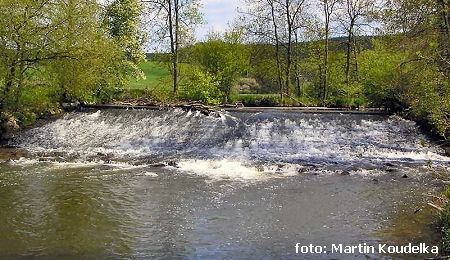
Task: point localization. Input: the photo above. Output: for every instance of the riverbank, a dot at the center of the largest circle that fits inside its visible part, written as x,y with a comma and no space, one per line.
230,108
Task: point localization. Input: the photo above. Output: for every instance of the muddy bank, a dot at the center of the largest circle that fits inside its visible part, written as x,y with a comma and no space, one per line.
10,153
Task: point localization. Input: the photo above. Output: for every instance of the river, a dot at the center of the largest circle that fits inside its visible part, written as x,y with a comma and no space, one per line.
174,184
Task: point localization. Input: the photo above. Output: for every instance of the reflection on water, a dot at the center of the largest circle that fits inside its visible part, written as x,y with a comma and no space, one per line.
62,214
415,223
255,193
89,213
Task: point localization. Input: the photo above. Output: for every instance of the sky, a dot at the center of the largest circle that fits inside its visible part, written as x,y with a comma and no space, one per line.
217,15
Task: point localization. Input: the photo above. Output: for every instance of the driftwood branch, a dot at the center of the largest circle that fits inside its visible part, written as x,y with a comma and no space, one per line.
434,206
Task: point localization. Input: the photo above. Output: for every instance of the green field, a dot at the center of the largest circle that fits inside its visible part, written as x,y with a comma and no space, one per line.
158,84
157,76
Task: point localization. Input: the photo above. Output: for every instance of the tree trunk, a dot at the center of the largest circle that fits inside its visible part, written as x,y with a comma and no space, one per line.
297,67
348,57
355,54
176,68
327,49
277,49
9,82
173,44
348,53
289,49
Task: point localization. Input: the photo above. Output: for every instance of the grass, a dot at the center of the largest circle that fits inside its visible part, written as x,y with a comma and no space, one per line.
157,85
157,76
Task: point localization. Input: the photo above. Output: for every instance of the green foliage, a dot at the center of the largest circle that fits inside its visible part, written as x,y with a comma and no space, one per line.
37,103
258,100
226,58
379,73
430,103
445,227
263,66
60,51
122,19
201,86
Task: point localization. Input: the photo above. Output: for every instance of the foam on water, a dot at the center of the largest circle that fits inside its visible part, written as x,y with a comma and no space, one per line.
231,145
236,170
222,169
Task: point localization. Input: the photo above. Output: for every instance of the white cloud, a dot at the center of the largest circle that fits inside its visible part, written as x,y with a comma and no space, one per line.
218,14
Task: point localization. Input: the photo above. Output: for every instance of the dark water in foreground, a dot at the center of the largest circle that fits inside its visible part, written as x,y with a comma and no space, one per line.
173,184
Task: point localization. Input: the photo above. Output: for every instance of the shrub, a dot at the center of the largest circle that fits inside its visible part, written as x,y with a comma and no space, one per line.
258,100
445,225
201,86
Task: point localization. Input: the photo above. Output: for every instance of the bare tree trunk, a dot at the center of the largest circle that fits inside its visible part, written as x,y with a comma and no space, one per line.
176,68
348,53
277,48
348,57
289,49
173,35
327,49
297,67
355,53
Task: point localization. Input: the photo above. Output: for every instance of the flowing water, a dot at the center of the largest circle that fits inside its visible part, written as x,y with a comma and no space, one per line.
179,184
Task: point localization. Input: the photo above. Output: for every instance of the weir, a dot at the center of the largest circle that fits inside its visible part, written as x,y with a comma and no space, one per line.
266,140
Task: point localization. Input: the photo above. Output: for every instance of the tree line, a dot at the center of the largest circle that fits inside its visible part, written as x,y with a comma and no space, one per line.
391,53
54,51
384,53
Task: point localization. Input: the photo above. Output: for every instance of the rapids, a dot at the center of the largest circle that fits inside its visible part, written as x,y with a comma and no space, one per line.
233,144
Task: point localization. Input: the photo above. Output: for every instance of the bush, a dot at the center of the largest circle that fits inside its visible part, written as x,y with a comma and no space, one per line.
445,224
201,86
259,100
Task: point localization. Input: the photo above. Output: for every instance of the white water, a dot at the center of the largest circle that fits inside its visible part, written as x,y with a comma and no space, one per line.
241,146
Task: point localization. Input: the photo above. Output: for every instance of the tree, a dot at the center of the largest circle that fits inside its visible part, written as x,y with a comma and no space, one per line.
277,22
277,44
56,47
262,20
175,20
353,14
122,18
328,7
293,10
426,24
225,57
443,10
420,28
30,32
